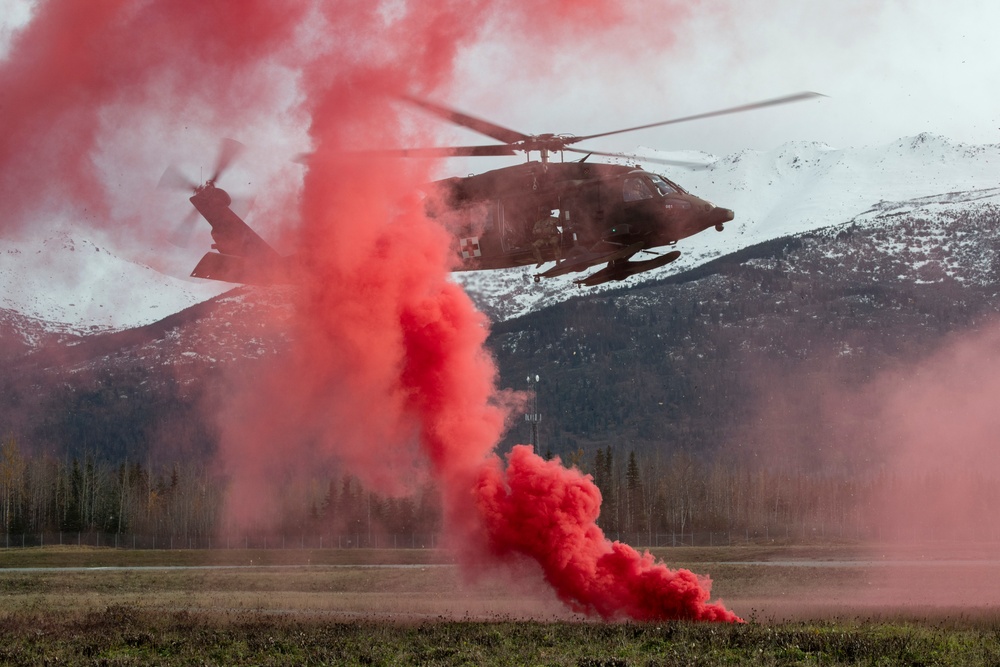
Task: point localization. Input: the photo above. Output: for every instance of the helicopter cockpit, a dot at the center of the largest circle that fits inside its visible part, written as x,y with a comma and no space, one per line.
640,185
665,187
635,188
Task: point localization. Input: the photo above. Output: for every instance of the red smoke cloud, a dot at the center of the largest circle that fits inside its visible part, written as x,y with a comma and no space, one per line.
541,510
389,373
79,69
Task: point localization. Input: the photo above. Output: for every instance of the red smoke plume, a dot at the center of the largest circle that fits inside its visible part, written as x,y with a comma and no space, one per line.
540,509
389,370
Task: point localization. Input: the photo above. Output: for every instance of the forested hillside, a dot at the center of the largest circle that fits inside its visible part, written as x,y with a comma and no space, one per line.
681,364
686,363
671,394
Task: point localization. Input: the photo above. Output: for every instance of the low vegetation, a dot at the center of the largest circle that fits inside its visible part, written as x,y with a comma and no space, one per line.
122,635
397,607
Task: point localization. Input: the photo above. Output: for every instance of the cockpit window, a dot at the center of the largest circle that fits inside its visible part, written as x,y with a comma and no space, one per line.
635,188
662,186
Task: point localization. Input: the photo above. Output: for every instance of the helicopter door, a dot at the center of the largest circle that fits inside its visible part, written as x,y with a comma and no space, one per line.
513,225
583,214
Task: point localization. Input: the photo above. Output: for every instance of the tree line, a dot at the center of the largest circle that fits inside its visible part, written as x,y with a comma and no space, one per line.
680,494
43,494
644,498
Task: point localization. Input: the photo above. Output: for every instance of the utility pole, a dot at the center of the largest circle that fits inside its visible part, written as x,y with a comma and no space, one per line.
534,416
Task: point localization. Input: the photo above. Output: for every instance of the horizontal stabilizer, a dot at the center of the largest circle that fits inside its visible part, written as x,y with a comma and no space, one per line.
227,268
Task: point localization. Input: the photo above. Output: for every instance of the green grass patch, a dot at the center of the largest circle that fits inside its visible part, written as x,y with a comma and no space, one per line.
126,636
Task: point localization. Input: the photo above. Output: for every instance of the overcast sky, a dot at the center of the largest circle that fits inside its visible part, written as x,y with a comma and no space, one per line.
890,68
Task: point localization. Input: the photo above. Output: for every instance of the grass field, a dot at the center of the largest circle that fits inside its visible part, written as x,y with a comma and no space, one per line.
805,605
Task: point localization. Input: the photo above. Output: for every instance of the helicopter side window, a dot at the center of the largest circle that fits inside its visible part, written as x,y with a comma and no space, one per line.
662,186
635,188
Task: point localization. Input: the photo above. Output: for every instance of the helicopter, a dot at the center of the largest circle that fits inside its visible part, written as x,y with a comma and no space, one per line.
577,214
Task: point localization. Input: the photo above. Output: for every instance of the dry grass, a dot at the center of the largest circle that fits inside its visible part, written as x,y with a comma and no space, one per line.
382,584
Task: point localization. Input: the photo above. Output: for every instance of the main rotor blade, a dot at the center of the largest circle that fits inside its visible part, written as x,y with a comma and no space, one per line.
798,97
642,158
441,151
228,151
479,125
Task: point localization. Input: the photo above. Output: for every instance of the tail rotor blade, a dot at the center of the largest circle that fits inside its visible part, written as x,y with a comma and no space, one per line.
242,204
228,152
182,234
173,179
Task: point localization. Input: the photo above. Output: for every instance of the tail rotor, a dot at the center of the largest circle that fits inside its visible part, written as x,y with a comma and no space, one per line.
174,179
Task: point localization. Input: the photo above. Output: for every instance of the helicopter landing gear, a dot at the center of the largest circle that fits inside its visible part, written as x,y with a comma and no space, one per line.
719,227
538,278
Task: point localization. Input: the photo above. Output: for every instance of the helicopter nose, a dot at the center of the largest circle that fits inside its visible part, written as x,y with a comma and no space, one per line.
718,216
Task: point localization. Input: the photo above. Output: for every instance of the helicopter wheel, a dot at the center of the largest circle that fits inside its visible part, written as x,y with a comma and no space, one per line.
719,227
538,279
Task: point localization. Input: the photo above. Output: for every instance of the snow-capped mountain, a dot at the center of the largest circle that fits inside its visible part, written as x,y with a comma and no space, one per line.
792,189
70,282
66,281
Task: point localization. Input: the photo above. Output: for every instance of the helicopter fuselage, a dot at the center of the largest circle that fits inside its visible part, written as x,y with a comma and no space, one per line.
596,210
588,214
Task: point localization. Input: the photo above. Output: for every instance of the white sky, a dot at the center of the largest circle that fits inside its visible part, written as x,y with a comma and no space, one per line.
891,68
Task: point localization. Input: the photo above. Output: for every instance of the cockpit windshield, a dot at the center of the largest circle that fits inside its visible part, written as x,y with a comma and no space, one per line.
636,188
661,185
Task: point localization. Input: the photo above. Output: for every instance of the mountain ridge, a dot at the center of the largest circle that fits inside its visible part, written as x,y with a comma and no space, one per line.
681,358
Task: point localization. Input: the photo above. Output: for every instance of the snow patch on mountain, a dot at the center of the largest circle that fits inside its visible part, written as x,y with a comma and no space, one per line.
73,282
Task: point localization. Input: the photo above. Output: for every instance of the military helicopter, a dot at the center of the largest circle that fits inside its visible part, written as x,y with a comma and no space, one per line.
578,214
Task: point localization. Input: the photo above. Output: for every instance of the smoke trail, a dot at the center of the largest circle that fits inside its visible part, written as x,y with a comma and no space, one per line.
389,373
